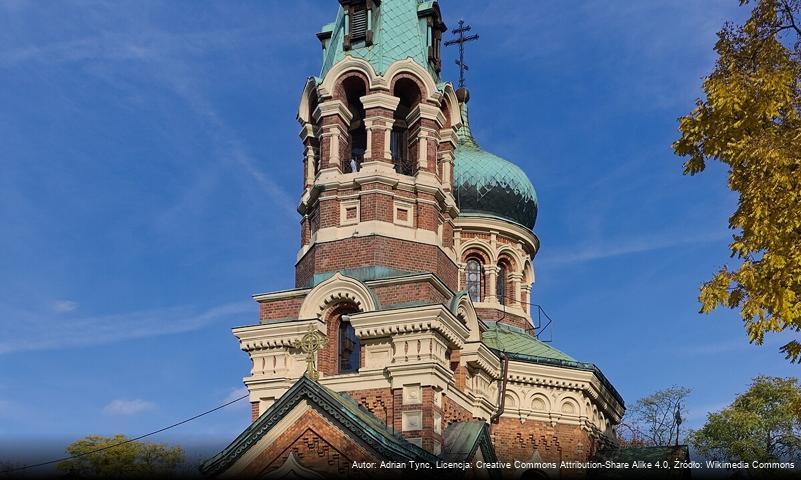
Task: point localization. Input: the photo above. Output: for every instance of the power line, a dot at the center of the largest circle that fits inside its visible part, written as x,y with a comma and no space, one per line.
107,447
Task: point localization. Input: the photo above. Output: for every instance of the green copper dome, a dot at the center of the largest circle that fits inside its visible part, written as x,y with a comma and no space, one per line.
486,184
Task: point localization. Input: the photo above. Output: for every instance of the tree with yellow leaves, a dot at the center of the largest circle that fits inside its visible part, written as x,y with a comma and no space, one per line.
750,120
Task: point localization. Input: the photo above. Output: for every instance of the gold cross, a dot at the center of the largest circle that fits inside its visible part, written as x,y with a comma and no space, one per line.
311,343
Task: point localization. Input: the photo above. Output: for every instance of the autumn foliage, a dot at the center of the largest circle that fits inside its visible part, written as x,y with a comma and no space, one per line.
750,121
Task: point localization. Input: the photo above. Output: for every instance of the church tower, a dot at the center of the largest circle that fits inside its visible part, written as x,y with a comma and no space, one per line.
379,132
408,334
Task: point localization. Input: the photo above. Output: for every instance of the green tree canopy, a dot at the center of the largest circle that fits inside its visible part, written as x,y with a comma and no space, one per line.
762,424
750,120
125,460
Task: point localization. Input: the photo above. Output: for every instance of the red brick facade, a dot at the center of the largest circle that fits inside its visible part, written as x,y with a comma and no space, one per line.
375,251
514,440
318,445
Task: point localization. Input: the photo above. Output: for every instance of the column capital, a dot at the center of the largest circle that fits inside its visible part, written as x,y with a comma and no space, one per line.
424,110
380,100
332,107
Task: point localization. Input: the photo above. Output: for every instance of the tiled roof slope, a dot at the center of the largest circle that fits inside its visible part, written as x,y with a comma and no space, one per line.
398,34
509,339
341,408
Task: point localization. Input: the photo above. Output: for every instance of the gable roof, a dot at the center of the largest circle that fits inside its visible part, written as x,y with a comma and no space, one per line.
340,408
463,439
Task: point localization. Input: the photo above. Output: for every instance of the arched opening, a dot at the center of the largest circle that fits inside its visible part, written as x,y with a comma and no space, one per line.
403,157
342,353
474,274
315,140
355,88
500,284
349,348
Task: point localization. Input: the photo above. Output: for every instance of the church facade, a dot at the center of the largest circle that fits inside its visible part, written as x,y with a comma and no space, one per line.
408,336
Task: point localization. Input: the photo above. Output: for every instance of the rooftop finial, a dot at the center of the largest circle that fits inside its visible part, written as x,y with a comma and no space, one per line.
461,40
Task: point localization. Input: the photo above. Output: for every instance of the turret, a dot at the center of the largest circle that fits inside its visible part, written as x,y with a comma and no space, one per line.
379,134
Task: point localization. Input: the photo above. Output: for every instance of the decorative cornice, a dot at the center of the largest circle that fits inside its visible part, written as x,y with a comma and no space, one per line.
275,335
488,224
411,320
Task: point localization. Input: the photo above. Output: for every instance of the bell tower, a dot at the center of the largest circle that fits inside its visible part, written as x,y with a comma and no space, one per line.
379,134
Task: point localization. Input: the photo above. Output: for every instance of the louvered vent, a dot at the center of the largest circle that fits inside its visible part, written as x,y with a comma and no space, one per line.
358,24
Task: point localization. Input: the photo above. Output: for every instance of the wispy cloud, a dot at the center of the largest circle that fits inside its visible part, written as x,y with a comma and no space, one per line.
168,59
64,306
25,331
128,407
234,394
714,348
599,251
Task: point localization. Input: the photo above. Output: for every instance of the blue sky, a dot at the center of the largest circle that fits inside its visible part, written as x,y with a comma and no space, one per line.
151,165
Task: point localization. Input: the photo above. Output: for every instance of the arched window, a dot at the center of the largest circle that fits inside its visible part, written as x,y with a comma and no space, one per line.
500,284
403,156
357,133
474,279
348,348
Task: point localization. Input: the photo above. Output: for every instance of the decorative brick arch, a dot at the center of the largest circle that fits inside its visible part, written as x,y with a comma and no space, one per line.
528,273
350,64
466,313
408,68
512,258
338,91
569,406
536,399
421,88
478,249
515,400
308,101
336,289
450,107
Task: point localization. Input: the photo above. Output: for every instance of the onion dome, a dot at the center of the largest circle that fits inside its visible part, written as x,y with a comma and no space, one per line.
488,185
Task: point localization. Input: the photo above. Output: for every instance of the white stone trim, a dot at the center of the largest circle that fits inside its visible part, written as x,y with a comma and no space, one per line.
380,100
408,207
410,320
268,439
335,289
346,206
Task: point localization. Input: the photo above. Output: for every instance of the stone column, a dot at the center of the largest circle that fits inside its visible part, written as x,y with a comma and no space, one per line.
379,112
516,279
526,298
334,119
492,287
425,121
309,139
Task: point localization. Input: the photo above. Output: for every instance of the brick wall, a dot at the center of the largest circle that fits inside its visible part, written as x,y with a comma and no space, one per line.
317,445
409,292
379,401
494,315
518,441
453,412
280,309
376,251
